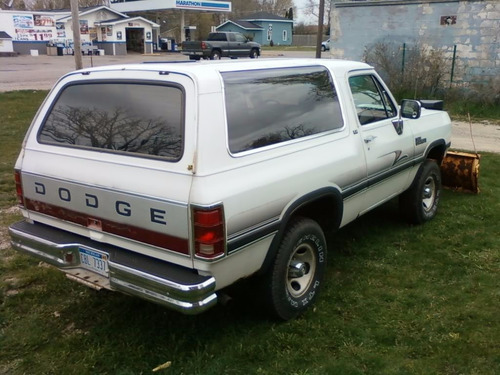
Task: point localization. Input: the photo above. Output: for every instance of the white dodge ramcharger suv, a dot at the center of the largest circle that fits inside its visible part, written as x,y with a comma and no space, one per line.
172,181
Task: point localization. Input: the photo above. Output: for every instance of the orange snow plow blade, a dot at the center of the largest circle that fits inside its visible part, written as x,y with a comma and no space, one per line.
460,171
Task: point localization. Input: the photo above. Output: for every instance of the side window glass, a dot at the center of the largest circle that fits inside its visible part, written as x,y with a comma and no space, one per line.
270,106
219,37
232,37
371,101
389,105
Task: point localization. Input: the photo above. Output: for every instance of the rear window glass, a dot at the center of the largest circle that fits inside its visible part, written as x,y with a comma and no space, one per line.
217,37
270,106
118,117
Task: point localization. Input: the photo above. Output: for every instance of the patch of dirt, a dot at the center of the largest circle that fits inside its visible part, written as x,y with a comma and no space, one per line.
11,210
4,236
71,330
9,367
12,286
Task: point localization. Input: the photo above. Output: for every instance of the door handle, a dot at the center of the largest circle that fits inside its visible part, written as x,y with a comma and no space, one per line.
370,138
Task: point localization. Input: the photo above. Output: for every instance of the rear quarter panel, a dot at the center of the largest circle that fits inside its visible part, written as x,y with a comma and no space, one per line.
257,187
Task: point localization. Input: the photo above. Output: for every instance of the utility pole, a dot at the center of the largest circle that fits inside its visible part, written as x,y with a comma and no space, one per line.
77,45
319,38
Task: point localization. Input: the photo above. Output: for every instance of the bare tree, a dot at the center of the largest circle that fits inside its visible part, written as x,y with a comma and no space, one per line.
276,7
58,4
13,4
243,8
312,9
419,73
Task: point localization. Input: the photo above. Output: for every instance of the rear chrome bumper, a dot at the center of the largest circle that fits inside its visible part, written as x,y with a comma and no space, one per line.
175,287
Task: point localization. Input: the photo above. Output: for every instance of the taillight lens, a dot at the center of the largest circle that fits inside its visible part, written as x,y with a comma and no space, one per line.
203,45
19,187
209,233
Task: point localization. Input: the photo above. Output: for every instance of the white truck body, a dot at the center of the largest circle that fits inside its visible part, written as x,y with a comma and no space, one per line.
135,215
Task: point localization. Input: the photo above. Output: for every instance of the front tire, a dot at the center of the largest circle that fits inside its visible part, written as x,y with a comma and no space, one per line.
295,276
420,202
254,54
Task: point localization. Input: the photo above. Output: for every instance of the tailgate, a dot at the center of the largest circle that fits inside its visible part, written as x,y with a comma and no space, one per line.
110,161
191,47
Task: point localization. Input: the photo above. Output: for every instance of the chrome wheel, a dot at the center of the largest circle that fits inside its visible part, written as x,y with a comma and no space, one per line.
295,276
301,270
429,194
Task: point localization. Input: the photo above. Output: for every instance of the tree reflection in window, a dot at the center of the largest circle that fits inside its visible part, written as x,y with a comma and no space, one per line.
270,106
135,118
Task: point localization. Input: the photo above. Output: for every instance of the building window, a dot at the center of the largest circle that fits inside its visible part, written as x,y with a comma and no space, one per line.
285,35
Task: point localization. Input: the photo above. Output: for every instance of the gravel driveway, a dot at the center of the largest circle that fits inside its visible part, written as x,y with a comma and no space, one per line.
41,72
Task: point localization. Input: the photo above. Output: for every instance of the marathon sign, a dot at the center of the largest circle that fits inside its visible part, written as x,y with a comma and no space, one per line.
203,5
142,5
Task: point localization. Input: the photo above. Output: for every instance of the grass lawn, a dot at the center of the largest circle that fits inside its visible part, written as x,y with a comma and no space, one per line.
398,299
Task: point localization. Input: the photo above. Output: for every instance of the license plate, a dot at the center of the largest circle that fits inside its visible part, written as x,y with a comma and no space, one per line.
94,261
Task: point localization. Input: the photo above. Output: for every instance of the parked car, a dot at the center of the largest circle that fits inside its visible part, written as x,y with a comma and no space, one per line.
325,46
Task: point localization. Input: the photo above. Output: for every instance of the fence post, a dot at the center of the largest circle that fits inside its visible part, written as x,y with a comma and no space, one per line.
403,61
453,63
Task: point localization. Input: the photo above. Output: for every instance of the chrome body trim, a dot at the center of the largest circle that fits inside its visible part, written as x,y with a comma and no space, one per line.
183,290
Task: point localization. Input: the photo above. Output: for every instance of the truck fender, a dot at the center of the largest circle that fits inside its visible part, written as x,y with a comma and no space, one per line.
436,150
328,217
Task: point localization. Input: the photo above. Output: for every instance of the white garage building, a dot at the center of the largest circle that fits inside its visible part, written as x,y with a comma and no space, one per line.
102,30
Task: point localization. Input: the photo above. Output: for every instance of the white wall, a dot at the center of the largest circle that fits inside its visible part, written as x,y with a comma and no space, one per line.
474,29
6,45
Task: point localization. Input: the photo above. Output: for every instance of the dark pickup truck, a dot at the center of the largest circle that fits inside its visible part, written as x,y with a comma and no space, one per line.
221,44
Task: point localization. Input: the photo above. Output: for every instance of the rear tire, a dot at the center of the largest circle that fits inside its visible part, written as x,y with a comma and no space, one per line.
420,202
293,280
215,55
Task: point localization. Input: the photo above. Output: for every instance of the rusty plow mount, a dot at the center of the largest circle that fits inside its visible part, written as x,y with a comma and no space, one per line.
460,171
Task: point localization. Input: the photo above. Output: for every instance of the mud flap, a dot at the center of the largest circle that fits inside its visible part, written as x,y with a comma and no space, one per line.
460,171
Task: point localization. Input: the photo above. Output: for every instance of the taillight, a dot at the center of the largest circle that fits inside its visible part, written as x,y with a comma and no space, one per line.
203,45
19,187
209,234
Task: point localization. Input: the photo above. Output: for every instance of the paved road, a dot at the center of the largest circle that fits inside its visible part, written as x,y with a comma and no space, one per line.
480,136
41,72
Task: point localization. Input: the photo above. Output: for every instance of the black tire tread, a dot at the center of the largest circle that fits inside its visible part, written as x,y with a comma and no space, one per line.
275,297
410,201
